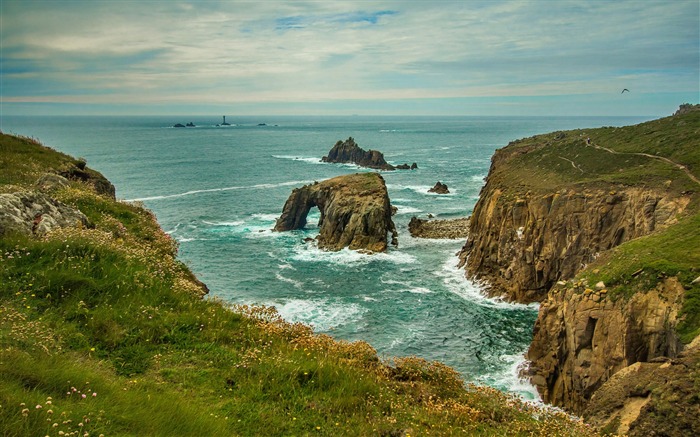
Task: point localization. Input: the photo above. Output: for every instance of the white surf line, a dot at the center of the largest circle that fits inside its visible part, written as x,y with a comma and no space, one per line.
212,190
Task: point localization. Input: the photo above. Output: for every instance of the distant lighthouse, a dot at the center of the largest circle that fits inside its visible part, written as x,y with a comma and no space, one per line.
224,123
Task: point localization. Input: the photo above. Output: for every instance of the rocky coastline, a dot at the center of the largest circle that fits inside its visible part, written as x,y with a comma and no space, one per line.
604,351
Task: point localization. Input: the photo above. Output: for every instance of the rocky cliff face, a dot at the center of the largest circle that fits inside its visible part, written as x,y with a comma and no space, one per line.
582,338
523,243
355,212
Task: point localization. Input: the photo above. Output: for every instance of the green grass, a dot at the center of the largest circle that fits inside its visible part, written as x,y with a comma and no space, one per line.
110,311
545,161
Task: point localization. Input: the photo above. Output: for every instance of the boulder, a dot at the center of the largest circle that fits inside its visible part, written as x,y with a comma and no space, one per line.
355,212
32,213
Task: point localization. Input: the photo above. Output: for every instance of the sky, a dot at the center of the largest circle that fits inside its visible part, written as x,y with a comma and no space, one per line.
264,57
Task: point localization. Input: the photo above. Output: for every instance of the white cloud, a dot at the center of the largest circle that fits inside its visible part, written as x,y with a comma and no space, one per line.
320,51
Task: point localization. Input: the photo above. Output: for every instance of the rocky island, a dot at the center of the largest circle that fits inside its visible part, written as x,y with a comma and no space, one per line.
355,212
601,227
349,152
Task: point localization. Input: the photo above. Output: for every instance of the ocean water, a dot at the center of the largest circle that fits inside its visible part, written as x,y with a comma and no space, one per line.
218,191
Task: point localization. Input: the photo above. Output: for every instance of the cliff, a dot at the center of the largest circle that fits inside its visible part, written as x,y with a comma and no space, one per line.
355,212
443,228
349,152
600,226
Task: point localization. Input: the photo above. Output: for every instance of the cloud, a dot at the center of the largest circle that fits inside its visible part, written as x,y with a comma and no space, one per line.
209,52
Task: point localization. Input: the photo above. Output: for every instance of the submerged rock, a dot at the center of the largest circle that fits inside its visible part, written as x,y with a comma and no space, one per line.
355,212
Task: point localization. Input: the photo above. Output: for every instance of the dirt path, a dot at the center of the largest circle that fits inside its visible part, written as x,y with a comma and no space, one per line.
661,158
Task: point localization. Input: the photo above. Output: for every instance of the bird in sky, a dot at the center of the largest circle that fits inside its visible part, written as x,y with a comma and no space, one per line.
623,91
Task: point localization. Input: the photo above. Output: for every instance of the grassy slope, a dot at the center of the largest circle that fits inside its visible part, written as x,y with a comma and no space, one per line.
674,251
102,332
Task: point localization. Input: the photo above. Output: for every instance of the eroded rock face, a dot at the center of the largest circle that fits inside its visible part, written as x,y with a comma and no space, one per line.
33,213
355,212
349,152
582,338
523,244
646,399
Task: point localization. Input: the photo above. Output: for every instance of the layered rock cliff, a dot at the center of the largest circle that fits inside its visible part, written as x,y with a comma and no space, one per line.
522,243
355,212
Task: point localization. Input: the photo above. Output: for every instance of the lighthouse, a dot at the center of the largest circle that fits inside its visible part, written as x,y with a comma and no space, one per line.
224,123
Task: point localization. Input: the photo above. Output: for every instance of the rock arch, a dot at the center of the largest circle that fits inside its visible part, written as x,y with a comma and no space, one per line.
355,212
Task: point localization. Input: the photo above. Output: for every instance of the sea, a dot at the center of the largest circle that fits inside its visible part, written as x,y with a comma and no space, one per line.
219,189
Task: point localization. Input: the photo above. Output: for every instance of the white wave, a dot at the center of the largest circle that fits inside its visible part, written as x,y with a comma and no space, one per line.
419,290
368,299
407,210
214,190
295,283
266,217
454,280
311,253
478,178
309,159
512,381
177,226
321,314
234,223
403,200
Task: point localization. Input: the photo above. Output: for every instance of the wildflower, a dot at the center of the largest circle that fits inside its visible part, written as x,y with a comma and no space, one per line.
83,396
38,407
94,394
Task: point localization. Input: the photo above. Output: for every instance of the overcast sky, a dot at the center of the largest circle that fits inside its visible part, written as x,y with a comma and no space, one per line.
349,57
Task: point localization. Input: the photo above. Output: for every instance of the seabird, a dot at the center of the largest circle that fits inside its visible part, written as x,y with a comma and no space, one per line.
623,91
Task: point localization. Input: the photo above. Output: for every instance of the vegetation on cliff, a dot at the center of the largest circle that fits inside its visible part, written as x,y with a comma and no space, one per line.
104,332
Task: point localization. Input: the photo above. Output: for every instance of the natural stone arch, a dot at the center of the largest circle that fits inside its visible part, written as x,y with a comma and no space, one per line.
355,212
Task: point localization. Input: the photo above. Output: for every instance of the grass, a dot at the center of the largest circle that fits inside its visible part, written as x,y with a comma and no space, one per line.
564,160
104,332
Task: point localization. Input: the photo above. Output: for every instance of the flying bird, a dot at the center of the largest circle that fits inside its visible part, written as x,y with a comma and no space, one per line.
623,91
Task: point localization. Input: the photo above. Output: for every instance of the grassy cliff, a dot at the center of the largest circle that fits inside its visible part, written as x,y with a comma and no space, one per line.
104,332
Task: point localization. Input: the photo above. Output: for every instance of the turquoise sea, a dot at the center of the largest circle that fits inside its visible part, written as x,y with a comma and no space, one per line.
218,191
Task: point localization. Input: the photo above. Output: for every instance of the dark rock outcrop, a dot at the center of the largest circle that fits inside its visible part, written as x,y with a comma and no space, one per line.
32,213
349,152
355,212
79,172
439,188
443,229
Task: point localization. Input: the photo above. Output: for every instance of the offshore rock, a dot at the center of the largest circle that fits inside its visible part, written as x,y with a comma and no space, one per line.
442,229
355,212
32,213
349,152
439,188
